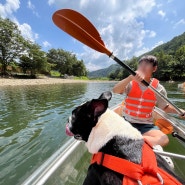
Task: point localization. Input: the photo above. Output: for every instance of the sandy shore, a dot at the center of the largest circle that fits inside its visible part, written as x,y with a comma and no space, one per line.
18,82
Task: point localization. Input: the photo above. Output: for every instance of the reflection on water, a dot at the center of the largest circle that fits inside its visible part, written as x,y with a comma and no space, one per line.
31,125
32,122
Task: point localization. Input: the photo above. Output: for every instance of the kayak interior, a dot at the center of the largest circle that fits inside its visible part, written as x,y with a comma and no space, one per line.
68,165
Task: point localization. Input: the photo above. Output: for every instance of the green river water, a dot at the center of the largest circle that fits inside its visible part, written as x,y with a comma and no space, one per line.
32,122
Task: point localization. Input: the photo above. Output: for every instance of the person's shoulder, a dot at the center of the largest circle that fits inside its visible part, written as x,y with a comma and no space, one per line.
161,89
160,85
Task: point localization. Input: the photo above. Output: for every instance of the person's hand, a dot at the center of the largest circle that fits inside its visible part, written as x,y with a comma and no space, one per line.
138,77
183,117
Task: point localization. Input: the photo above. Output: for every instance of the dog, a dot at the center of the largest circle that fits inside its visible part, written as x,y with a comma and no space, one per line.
105,131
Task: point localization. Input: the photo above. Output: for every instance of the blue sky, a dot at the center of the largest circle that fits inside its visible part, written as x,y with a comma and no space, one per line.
128,27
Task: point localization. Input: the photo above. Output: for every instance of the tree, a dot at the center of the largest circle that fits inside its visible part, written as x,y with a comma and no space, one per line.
164,71
25,63
179,66
79,69
12,44
35,60
66,62
57,57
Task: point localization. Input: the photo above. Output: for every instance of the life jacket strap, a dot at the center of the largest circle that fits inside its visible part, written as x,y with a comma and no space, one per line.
135,173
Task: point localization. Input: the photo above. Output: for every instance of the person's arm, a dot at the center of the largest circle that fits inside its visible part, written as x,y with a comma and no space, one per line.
163,104
120,86
171,109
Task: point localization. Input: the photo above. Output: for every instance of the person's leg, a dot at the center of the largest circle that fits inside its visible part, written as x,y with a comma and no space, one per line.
156,137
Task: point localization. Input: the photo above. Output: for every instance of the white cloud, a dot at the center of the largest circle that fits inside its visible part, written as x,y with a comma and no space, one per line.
158,44
161,13
180,22
92,67
119,24
148,33
31,6
46,44
152,34
26,31
142,51
9,7
7,11
51,2
145,49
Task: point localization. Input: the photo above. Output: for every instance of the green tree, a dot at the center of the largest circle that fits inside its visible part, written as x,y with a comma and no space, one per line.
12,44
164,70
79,68
57,57
35,60
179,66
66,62
25,63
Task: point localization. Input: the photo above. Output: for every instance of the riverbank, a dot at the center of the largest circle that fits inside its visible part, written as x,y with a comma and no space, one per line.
44,81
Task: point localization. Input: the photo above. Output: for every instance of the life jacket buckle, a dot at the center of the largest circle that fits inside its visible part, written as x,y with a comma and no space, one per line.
139,182
158,176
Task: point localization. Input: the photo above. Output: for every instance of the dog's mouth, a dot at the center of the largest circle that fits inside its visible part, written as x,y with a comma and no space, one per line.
68,131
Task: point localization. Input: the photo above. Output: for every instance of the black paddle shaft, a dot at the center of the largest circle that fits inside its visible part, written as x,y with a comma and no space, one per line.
73,23
146,84
127,68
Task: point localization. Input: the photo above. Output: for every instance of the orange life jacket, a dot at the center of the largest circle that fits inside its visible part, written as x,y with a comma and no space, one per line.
140,103
145,173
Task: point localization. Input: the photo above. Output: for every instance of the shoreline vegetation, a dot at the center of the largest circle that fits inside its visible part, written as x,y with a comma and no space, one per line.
45,81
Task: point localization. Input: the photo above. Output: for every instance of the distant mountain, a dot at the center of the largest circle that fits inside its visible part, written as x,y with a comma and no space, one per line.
168,48
103,72
171,46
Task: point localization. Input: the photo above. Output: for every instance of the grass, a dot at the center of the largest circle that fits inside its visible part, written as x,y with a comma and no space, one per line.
81,78
101,78
55,73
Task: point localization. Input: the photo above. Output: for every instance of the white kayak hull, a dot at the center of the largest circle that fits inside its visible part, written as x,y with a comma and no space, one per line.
69,164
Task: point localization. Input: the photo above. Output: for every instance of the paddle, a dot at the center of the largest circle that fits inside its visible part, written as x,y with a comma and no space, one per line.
168,124
82,29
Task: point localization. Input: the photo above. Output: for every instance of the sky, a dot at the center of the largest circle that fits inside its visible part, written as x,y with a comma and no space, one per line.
127,27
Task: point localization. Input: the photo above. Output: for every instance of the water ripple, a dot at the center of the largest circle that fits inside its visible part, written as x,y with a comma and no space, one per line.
33,121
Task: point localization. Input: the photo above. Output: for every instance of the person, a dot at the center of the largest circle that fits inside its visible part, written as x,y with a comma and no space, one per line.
140,100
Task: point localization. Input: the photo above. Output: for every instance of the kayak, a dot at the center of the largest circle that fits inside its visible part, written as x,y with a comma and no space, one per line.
68,165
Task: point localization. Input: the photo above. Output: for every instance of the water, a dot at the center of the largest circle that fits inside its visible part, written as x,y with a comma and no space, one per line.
32,122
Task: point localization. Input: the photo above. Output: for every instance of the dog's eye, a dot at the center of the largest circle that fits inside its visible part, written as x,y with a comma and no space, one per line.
78,137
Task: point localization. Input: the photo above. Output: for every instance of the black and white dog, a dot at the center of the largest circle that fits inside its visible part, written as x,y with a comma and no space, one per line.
105,131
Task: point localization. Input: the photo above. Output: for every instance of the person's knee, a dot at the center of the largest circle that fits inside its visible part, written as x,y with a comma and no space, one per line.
164,140
156,137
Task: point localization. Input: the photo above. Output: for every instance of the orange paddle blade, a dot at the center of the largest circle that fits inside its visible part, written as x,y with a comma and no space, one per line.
164,126
80,28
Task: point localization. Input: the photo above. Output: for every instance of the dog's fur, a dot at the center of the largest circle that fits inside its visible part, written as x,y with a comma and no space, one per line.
105,131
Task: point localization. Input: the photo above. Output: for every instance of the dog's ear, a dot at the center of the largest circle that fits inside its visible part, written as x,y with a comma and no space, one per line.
99,106
106,95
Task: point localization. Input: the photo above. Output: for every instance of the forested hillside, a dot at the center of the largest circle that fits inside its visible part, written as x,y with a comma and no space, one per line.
171,57
18,55
104,72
